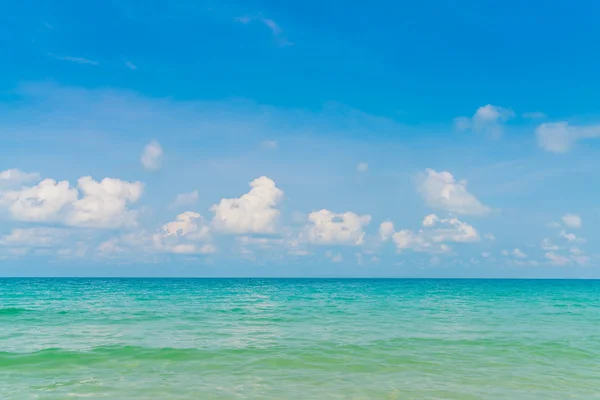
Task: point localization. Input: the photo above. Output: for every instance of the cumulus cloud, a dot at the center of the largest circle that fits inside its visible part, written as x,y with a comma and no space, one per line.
46,201
434,235
487,119
152,156
386,230
328,227
181,236
185,199
441,191
572,220
188,234
14,177
188,224
102,205
253,212
560,137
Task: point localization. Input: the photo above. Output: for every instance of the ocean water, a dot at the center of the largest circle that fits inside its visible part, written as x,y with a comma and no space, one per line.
299,339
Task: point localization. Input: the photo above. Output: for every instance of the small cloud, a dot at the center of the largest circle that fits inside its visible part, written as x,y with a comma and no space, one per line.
486,255
185,199
269,23
362,167
489,236
152,156
518,253
269,144
572,220
571,237
548,245
557,259
560,137
442,191
130,65
488,119
78,60
47,25
515,253
534,115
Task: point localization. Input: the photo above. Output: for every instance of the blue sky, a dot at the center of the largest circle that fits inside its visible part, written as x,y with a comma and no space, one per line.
191,138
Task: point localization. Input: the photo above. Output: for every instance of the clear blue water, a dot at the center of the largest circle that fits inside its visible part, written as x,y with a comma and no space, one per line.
299,339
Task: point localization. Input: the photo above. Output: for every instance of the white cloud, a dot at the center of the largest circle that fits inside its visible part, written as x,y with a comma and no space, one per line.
560,137
103,205
557,259
253,212
548,245
441,191
487,119
435,234
386,230
572,220
34,237
362,167
270,144
46,201
185,199
534,115
15,177
269,23
486,255
328,227
187,234
571,237
188,224
181,236
152,156
519,254
489,236
78,60
191,248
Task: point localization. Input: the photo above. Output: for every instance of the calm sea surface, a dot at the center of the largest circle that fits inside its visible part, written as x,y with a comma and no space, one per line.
299,339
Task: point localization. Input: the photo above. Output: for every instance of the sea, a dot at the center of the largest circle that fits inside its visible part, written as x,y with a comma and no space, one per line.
299,339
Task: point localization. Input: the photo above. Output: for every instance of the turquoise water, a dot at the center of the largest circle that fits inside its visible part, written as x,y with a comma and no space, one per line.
299,339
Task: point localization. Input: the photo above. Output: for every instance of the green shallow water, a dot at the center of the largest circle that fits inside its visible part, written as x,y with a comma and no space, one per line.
299,339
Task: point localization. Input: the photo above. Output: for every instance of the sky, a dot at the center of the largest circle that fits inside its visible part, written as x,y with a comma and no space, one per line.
300,139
